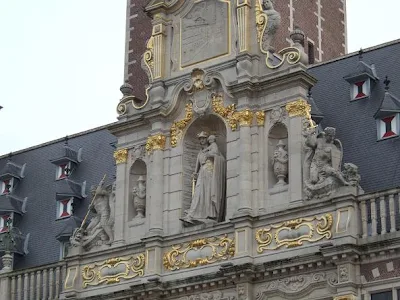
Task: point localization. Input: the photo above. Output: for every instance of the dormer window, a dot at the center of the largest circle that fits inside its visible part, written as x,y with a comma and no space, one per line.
64,208
361,89
7,186
388,127
3,223
63,170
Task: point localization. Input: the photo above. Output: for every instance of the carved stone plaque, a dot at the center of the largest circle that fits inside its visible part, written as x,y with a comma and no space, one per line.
205,32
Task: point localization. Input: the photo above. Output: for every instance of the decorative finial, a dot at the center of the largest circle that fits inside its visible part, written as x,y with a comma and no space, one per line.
309,94
66,140
386,82
126,89
360,54
297,36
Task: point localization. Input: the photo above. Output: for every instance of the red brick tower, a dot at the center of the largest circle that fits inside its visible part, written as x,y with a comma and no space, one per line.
323,22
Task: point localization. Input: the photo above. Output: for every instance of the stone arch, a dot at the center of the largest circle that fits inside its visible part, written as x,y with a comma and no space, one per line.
278,132
212,124
137,170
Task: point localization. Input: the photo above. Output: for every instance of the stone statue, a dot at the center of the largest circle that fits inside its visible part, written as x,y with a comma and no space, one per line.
322,166
99,231
209,180
139,197
273,22
350,173
280,163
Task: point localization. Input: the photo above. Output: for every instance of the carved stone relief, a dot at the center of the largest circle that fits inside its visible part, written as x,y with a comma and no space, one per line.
216,295
138,152
278,114
296,286
205,32
343,274
272,24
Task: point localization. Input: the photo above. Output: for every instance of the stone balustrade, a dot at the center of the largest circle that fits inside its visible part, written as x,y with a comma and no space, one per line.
42,283
379,213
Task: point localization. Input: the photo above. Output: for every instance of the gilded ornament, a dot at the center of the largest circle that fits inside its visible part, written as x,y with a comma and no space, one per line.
178,126
155,142
228,113
294,233
261,22
121,156
148,57
347,297
260,117
291,55
245,117
113,270
300,108
136,103
216,249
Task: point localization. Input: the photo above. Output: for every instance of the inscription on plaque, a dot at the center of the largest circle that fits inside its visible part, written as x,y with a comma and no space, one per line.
205,32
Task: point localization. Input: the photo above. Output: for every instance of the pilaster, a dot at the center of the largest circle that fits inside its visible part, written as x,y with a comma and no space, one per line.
5,288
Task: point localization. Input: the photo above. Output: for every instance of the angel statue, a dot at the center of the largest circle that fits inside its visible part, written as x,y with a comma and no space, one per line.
322,165
273,22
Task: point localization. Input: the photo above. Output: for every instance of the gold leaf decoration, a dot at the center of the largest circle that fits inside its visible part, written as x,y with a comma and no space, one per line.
291,55
121,156
202,252
113,270
148,57
245,117
228,113
294,233
155,142
300,108
178,126
260,117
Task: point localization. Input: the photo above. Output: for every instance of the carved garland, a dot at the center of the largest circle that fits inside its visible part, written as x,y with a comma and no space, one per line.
294,232
219,248
113,270
155,142
121,156
178,126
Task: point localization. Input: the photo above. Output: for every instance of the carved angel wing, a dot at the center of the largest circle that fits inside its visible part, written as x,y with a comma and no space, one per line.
337,155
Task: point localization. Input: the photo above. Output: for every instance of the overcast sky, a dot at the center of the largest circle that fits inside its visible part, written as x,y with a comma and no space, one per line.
61,62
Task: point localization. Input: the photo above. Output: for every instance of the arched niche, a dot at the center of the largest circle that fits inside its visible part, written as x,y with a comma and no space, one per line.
278,134
211,124
138,174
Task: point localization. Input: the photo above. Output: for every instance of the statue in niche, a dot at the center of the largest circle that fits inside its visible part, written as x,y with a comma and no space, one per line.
209,179
99,231
139,197
323,164
280,163
273,22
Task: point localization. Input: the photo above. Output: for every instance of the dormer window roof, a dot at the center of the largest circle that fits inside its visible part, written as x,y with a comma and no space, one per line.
390,104
68,229
11,203
69,156
68,188
12,170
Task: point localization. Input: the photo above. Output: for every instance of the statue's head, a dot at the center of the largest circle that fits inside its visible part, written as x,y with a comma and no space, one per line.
212,139
141,181
203,136
267,4
330,133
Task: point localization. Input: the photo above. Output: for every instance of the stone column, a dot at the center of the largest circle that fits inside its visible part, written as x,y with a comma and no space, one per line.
245,118
5,284
260,117
155,146
121,157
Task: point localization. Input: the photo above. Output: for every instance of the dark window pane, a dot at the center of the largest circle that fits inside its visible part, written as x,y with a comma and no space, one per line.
382,296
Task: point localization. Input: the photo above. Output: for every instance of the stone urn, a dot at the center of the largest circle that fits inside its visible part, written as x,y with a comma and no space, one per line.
280,163
7,260
139,197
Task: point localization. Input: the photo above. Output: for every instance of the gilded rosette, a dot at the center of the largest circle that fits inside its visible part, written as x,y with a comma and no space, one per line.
294,233
178,126
199,252
121,156
113,270
155,142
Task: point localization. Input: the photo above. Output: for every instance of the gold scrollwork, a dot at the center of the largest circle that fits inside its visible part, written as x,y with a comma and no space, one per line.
121,156
122,107
294,232
148,57
207,250
261,23
113,270
260,117
178,126
300,108
228,113
155,142
291,55
347,297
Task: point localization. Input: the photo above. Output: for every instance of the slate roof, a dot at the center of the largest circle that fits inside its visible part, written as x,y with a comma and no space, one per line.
40,186
378,161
